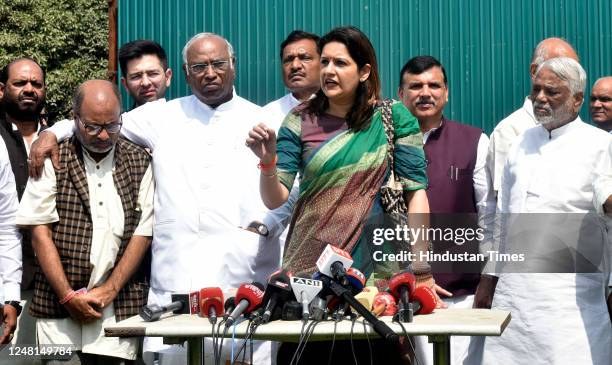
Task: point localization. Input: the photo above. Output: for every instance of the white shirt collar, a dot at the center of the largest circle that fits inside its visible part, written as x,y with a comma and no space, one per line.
105,163
228,105
557,132
429,132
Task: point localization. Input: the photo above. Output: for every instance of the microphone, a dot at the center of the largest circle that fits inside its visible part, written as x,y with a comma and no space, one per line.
248,297
230,304
305,290
211,303
181,304
356,282
384,304
424,300
318,306
277,292
333,263
402,286
292,311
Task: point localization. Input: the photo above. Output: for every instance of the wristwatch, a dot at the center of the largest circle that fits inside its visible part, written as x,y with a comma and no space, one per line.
15,304
261,228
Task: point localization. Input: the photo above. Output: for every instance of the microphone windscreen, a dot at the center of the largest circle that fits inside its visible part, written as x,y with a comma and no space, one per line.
426,297
387,301
366,297
330,255
397,281
253,293
211,298
356,279
230,303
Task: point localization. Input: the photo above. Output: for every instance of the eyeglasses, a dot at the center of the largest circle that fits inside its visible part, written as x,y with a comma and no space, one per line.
95,129
217,66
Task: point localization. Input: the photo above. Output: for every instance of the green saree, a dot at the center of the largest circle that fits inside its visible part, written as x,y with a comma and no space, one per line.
340,181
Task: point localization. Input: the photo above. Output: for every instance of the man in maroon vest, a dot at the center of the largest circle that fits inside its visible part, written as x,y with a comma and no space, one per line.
458,182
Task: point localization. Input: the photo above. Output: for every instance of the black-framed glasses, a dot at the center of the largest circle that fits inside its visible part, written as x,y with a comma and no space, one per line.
217,66
95,129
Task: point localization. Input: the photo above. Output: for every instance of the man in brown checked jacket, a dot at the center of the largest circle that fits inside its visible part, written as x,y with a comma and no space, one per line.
92,224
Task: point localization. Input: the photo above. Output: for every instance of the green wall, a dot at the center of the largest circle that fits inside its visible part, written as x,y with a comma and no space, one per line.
485,45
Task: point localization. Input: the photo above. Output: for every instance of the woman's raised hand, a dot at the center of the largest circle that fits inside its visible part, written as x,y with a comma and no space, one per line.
262,141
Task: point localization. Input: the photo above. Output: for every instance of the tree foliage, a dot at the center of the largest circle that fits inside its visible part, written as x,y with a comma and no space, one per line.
69,38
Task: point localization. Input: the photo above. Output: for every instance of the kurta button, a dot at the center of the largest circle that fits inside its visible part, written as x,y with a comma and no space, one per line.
98,167
99,185
100,203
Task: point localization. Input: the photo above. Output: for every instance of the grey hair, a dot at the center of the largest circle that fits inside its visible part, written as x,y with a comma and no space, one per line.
203,35
567,69
79,95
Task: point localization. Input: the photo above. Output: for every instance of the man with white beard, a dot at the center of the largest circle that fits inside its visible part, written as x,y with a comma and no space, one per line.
557,318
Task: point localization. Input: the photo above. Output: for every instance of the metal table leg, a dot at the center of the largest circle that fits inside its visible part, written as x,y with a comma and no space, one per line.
195,350
441,349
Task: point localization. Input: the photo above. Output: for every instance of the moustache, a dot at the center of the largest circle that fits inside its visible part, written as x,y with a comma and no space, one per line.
424,101
540,105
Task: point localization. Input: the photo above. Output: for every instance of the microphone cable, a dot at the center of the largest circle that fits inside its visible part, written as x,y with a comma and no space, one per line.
214,344
220,340
365,330
252,327
331,350
396,320
351,340
309,331
299,344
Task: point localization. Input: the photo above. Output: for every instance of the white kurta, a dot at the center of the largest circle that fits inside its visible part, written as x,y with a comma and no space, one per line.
10,238
557,318
38,206
504,135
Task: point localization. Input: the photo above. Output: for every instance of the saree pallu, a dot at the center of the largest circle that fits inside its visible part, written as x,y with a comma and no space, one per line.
340,181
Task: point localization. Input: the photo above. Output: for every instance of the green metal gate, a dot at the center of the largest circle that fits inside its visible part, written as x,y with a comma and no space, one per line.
485,45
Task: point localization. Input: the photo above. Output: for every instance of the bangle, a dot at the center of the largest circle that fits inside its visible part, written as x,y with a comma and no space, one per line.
72,294
264,166
68,297
270,175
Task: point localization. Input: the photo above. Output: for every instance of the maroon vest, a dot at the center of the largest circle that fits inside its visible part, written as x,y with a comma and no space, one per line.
451,156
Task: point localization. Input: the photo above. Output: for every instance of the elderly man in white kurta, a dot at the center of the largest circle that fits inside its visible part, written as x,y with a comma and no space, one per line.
551,169
506,131
206,181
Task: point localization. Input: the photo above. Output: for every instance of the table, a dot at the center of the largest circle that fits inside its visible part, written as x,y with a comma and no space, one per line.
438,326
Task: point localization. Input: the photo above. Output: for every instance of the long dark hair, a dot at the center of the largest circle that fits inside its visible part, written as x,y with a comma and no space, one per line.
362,52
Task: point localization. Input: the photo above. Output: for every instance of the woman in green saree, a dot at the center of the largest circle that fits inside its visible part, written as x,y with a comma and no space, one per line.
337,143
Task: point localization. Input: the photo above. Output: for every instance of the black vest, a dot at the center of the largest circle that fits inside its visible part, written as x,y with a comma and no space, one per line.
17,154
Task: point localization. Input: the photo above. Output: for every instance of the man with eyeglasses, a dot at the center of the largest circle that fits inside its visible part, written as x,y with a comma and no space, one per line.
91,223
144,69
206,182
